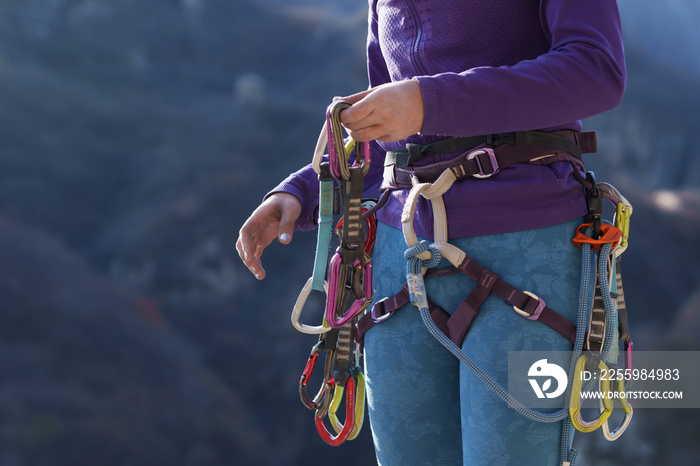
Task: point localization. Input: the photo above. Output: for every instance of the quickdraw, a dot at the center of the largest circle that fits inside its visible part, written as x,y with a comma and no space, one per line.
346,279
607,319
347,380
351,263
362,268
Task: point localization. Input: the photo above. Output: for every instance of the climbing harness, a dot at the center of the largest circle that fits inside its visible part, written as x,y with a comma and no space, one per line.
596,327
345,278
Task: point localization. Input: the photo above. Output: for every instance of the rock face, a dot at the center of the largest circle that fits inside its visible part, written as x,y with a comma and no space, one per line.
136,138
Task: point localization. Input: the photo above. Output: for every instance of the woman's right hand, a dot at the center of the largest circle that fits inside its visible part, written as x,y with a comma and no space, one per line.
274,218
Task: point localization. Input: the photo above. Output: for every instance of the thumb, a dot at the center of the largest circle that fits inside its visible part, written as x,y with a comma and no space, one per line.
286,228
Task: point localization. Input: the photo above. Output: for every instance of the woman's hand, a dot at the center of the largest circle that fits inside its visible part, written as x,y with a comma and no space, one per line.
274,218
390,112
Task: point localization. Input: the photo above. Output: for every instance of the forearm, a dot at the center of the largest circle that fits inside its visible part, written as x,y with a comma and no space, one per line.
303,184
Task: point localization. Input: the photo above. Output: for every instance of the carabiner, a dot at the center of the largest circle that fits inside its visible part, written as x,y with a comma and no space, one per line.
324,396
575,404
338,151
299,306
337,278
370,227
622,221
359,407
349,418
626,408
623,212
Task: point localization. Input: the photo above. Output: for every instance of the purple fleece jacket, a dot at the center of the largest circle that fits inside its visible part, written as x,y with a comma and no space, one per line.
486,67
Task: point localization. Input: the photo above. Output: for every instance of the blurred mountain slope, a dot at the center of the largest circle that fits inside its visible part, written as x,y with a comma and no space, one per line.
87,374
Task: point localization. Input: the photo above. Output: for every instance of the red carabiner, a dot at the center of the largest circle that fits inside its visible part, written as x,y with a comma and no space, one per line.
609,234
349,419
324,395
370,229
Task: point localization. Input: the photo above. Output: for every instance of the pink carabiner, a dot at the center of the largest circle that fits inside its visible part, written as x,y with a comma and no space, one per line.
335,284
336,145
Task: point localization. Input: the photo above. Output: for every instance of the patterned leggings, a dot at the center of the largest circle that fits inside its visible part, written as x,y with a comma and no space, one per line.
425,407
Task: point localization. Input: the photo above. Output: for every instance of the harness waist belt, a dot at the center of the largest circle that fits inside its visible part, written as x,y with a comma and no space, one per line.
486,156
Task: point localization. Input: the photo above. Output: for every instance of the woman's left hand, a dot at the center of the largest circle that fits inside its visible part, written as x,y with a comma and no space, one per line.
390,112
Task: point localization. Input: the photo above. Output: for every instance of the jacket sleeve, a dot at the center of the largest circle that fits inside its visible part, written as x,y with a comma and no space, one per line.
303,184
583,74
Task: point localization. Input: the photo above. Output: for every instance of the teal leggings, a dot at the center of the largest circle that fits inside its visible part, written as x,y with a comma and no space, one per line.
426,408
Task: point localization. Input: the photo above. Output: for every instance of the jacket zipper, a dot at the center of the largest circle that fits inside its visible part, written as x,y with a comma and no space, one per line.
419,34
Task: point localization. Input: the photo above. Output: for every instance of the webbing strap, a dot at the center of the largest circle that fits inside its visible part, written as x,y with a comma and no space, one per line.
382,309
466,313
572,142
323,240
623,321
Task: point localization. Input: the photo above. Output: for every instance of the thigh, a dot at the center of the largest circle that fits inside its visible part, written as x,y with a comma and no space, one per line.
425,408
412,381
542,261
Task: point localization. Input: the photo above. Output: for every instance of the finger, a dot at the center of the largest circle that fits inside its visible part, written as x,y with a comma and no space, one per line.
256,264
368,134
354,98
239,249
248,254
357,113
371,120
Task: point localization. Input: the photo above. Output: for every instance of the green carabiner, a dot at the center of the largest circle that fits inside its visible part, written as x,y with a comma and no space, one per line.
575,405
622,221
359,407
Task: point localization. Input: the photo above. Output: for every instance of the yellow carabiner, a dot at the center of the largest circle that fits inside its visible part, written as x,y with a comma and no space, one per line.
359,407
626,408
575,405
349,146
622,221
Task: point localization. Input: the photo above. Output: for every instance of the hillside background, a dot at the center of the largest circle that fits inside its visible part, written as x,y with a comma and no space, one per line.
135,138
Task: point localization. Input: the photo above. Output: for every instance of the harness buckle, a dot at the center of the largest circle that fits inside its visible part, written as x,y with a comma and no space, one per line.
492,158
540,307
378,308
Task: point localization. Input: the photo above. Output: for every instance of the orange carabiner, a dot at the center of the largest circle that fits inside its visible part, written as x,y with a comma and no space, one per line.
609,234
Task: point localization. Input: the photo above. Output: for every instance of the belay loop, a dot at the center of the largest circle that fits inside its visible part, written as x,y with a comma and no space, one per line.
414,264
